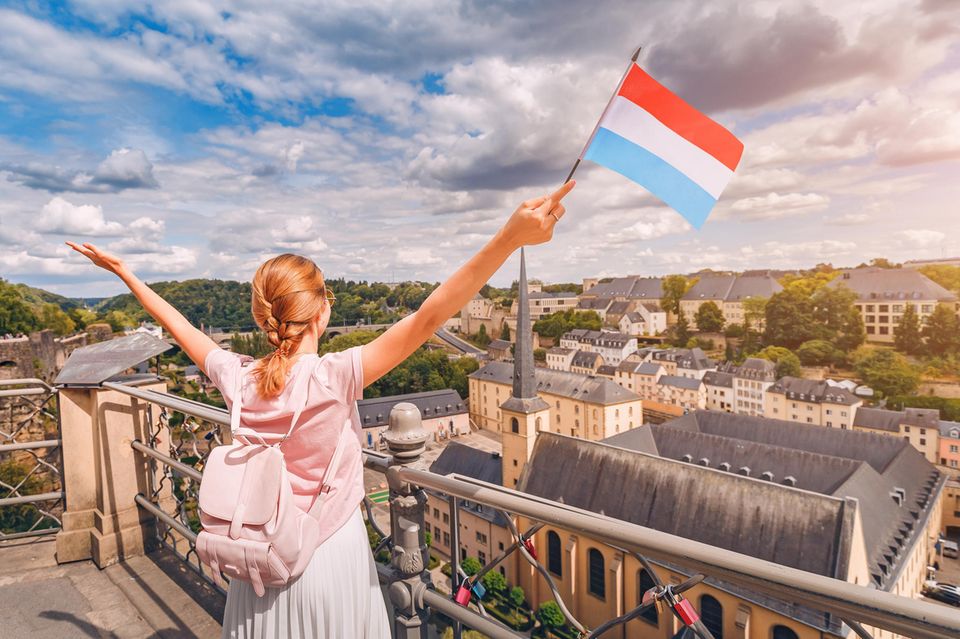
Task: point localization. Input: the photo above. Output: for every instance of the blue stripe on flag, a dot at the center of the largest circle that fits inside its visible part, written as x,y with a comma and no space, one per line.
655,175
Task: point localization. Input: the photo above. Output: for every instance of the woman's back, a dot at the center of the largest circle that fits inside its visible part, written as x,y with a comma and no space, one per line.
327,387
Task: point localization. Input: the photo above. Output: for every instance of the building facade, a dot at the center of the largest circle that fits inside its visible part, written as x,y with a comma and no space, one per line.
729,292
811,402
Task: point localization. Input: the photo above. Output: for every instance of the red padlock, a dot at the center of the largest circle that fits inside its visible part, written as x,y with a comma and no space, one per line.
528,544
686,611
463,594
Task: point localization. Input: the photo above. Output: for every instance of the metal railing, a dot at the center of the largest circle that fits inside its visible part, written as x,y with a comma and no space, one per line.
409,585
31,490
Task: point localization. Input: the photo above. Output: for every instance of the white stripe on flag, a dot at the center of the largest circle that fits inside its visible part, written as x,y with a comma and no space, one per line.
633,123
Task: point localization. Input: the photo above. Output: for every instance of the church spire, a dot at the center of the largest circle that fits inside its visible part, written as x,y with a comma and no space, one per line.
524,379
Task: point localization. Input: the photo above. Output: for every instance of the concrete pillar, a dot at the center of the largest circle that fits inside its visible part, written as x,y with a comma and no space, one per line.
102,474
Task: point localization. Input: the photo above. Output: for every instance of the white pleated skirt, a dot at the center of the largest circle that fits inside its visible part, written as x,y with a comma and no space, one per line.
338,596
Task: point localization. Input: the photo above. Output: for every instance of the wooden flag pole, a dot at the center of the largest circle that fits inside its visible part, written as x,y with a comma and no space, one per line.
576,164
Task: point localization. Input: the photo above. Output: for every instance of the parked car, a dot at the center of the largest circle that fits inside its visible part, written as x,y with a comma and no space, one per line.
950,549
945,595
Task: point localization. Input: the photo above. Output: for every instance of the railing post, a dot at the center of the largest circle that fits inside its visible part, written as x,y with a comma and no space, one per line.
102,474
406,438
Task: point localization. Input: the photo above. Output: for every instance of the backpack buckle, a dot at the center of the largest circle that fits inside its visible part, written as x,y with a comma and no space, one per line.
324,489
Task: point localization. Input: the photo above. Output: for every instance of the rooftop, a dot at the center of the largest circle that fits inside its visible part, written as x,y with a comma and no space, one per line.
375,412
809,390
587,388
733,288
872,284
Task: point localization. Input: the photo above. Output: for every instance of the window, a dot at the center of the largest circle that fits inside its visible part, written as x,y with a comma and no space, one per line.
539,424
782,632
884,330
923,442
436,513
829,424
482,556
712,614
500,546
954,449
446,518
554,555
597,585
514,463
514,425
646,583
884,308
436,532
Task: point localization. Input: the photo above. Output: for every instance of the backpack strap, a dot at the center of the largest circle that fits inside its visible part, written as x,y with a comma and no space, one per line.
328,475
235,408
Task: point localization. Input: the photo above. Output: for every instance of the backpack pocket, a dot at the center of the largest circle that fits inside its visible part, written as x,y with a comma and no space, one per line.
254,561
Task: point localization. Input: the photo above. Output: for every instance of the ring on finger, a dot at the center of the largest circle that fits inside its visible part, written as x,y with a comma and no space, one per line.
554,216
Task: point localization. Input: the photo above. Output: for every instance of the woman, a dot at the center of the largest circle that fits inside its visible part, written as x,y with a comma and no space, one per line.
338,595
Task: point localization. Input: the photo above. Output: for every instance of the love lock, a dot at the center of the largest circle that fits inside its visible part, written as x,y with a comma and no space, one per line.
528,544
463,595
478,590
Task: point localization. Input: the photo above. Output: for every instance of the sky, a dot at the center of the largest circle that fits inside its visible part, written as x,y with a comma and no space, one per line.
390,140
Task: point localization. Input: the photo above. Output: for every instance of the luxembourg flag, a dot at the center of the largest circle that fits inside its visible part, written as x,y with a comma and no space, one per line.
654,138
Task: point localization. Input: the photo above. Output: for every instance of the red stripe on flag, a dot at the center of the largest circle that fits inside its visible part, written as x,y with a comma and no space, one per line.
658,101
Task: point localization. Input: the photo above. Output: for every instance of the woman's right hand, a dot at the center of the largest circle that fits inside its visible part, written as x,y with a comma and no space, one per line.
533,221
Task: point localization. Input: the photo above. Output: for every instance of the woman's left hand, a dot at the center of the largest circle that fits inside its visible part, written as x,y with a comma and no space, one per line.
101,258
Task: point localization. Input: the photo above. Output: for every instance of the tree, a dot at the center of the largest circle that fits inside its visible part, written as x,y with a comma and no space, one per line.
817,352
118,320
728,352
52,317
481,338
556,324
427,539
852,334
886,371
505,332
907,333
550,615
709,318
788,364
809,282
681,330
517,597
471,566
754,310
946,276
942,331
494,582
831,305
15,314
674,288
789,319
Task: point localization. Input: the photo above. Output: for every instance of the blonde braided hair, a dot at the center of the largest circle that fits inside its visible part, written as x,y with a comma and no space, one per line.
288,294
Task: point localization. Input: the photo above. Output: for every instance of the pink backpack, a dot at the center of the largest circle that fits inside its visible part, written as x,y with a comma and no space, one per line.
252,530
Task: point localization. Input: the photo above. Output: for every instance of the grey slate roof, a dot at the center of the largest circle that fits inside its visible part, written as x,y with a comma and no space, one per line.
950,430
590,304
733,288
618,308
478,464
878,284
809,390
630,286
689,358
560,350
753,368
586,359
607,370
716,378
597,390
824,463
440,403
499,344
685,383
890,420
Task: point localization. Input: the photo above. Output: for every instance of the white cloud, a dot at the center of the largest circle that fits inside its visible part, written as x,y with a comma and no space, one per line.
924,238
60,216
773,205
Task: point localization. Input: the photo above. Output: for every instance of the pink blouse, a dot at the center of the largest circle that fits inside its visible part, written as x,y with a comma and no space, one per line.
335,384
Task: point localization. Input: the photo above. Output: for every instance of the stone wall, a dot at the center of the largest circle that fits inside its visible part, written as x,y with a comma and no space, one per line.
41,354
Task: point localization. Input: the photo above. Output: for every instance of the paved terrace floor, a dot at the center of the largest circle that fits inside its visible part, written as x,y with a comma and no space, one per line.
154,596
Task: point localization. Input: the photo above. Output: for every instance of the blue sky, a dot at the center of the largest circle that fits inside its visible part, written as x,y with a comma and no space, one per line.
389,140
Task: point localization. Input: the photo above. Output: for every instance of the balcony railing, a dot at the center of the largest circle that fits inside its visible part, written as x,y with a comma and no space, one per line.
177,469
31,493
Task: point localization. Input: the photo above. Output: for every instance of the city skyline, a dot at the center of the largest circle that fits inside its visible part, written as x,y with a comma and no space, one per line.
197,143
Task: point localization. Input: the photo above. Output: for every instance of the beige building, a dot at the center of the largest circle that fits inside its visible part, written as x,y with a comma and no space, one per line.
728,292
919,426
719,390
750,383
646,319
884,294
613,346
542,304
580,406
682,392
640,377
774,475
811,402
483,530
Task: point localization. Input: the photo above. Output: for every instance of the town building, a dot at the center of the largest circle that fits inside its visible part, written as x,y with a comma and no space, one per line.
719,389
612,346
560,358
646,319
542,304
685,393
631,287
499,350
639,377
950,446
484,532
750,383
685,362
811,402
919,426
729,292
445,414
585,362
883,295
481,311
849,505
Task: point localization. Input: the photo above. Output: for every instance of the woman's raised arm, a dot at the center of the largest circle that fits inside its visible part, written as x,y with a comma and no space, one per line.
531,223
192,340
